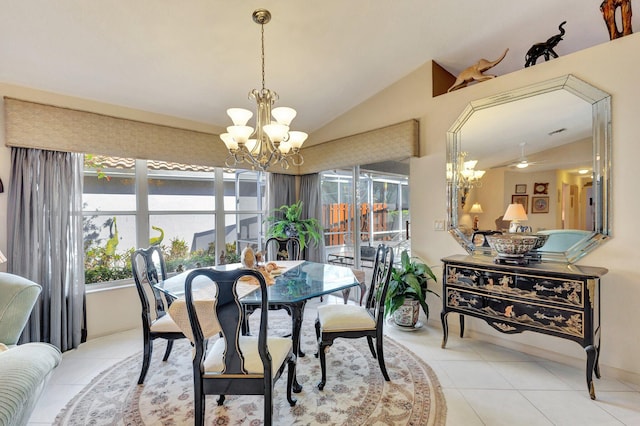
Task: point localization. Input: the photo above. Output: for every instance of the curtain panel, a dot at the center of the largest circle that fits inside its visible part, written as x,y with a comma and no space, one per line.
311,198
282,190
45,241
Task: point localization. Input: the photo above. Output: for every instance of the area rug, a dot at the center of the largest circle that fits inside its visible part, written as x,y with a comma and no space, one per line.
355,394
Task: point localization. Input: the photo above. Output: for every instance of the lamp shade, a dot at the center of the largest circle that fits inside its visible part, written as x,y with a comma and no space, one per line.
296,139
239,116
229,142
284,115
515,212
476,208
2,258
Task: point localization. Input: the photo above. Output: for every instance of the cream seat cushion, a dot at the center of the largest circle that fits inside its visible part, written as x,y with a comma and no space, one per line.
279,348
345,317
206,311
165,324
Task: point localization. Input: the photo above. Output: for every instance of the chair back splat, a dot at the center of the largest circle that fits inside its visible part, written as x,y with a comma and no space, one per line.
235,364
353,321
282,249
148,269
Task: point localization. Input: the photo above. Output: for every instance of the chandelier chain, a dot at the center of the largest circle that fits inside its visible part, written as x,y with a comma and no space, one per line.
262,36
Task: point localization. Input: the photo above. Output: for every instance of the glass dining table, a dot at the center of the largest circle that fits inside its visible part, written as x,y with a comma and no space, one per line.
298,282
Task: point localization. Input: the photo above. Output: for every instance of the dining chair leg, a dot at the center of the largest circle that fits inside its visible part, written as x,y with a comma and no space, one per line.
146,358
291,375
268,404
220,400
199,403
381,359
168,350
371,348
323,366
317,324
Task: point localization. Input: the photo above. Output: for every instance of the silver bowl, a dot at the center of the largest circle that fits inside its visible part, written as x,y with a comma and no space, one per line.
513,245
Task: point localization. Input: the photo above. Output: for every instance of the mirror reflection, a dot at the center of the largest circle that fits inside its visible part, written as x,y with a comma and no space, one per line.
545,149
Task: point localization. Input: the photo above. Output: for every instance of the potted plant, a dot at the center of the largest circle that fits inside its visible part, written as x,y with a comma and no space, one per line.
289,224
408,290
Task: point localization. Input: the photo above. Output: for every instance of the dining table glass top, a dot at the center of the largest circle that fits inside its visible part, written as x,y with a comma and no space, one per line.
294,281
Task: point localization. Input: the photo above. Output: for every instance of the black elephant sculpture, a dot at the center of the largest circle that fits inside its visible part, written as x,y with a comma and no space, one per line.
545,48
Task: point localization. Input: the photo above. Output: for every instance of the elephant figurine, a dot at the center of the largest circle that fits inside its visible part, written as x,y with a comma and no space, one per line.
544,49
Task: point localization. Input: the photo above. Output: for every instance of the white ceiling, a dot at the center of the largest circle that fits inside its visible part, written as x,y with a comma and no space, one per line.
193,59
495,136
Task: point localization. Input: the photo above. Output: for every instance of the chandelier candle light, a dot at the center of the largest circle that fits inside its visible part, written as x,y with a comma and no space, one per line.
270,142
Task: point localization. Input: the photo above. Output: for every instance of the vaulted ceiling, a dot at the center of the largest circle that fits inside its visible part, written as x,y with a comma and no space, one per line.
194,59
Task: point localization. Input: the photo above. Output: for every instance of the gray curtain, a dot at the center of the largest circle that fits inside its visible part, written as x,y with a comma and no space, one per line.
282,190
45,241
312,207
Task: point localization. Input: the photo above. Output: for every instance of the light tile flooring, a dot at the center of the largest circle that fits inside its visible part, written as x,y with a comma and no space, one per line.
483,384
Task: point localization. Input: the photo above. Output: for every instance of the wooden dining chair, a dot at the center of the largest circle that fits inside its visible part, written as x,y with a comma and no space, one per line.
148,269
282,249
236,364
354,321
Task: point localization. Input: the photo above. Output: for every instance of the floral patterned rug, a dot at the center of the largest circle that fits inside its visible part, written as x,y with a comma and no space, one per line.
355,394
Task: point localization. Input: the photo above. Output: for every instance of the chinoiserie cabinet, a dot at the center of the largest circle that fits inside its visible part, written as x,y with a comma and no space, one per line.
561,300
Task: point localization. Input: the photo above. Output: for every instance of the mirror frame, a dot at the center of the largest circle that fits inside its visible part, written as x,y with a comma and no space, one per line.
601,129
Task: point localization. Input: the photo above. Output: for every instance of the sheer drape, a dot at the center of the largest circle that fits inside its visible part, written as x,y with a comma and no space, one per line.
45,241
311,198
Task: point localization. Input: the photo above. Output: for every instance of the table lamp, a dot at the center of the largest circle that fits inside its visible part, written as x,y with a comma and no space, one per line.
475,208
515,213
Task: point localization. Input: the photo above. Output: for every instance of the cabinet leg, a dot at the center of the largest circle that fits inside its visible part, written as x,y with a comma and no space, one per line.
596,368
461,326
445,328
591,363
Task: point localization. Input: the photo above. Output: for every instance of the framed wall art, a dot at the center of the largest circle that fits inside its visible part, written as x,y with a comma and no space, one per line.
521,199
541,188
521,188
539,204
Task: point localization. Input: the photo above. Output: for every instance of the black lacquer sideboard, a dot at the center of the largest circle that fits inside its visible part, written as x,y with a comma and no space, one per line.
557,299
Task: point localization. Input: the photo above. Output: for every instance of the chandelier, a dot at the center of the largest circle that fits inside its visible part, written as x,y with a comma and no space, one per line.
468,176
271,142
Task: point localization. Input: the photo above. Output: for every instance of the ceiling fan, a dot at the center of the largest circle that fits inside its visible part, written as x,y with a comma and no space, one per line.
520,163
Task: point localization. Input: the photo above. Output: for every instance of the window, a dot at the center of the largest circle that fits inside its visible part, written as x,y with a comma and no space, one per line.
382,209
197,214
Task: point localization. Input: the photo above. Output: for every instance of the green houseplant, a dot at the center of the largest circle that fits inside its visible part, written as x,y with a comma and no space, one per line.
408,290
289,224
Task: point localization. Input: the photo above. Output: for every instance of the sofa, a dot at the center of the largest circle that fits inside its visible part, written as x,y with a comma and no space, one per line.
26,368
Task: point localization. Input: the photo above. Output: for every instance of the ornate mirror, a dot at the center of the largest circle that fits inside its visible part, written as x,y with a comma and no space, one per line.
547,147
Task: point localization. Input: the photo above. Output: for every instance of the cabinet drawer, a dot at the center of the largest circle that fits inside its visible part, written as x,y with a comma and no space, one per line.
509,315
534,288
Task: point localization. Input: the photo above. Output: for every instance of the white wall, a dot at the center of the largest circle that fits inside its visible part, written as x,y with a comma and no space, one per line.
613,68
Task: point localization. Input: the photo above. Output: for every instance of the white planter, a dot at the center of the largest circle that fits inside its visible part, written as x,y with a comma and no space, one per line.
407,314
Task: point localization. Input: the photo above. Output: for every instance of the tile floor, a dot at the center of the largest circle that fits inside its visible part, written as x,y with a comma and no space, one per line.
484,384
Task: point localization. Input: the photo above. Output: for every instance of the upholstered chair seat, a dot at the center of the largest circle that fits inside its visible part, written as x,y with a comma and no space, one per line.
165,324
345,317
279,348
